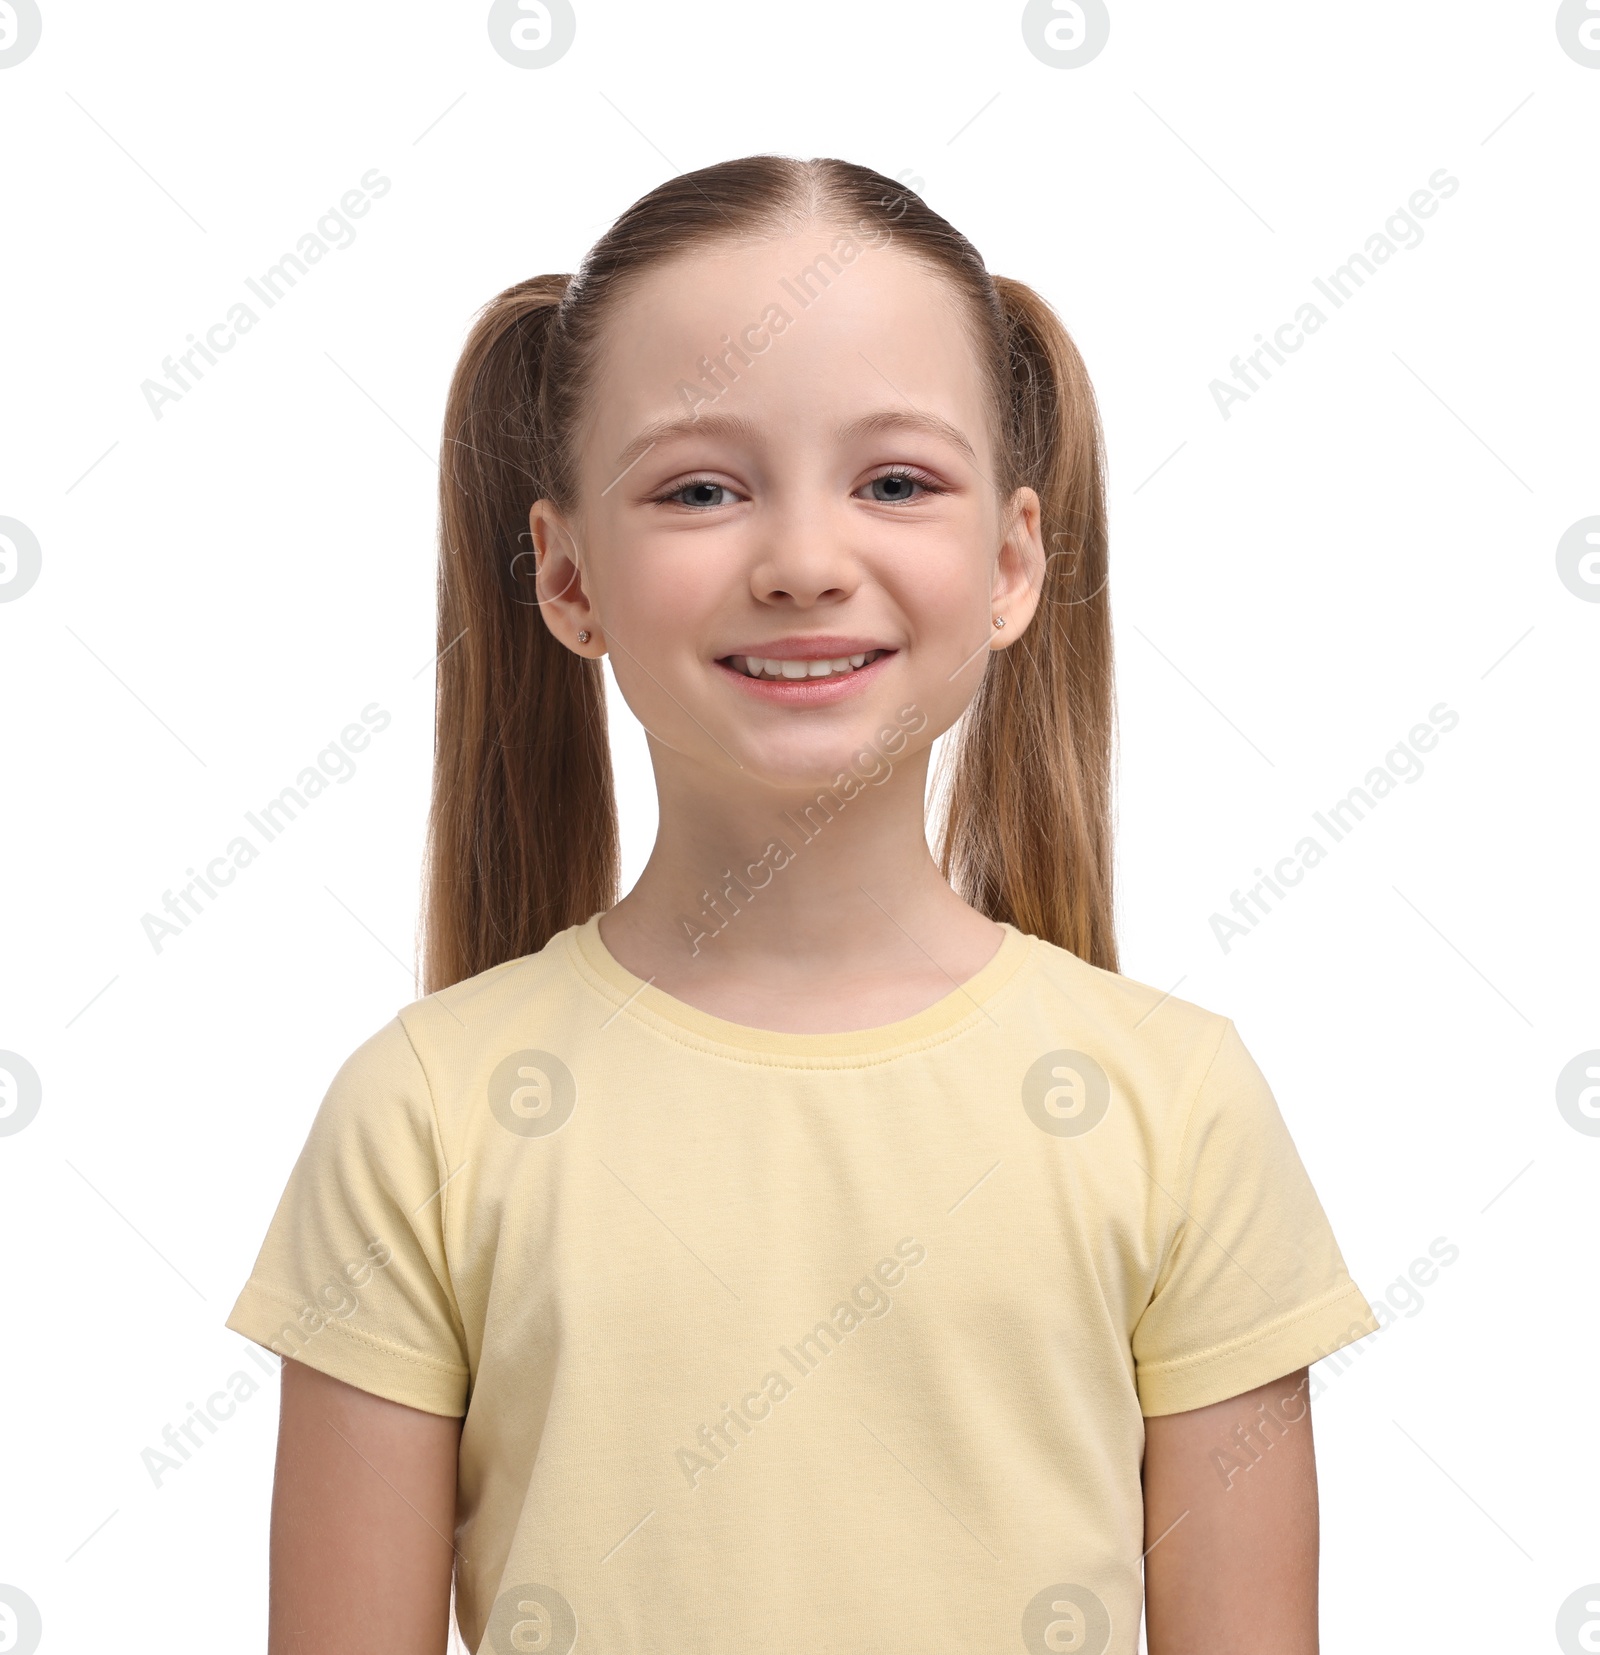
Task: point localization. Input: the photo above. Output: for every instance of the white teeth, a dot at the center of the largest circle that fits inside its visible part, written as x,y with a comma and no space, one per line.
756,666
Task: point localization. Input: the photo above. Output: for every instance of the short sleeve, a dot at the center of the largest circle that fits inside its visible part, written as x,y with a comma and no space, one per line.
1252,1285
352,1278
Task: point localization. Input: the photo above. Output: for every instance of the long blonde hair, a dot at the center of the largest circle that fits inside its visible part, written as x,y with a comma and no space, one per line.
522,832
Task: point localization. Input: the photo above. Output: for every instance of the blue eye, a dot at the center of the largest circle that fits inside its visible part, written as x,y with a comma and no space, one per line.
899,486
697,490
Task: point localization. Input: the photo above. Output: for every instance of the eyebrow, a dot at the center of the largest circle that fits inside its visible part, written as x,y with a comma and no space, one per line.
740,428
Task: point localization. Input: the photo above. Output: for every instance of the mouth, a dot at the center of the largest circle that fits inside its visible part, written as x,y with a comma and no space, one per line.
790,671
806,681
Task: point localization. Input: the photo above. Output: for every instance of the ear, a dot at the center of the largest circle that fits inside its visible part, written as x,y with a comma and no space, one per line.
558,585
1019,569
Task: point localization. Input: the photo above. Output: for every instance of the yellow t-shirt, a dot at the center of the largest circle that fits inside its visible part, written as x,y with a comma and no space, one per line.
828,1341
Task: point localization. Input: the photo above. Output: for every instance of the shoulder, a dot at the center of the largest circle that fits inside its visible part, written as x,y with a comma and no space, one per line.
521,1003
405,1084
1160,1042
1125,1003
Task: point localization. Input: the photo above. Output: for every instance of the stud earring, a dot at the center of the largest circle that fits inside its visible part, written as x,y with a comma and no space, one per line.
999,620
583,637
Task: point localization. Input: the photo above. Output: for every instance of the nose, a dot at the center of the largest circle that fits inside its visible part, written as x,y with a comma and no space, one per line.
803,557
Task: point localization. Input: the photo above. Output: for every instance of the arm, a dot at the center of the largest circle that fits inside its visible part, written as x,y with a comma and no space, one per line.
1231,1526
363,1508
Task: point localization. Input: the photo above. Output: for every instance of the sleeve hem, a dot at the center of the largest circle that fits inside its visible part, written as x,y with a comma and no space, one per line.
1294,1341
371,1364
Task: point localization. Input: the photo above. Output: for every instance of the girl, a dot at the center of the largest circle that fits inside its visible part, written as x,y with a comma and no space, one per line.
823,1247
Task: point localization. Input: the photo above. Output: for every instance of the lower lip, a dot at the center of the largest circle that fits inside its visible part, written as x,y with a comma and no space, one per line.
809,692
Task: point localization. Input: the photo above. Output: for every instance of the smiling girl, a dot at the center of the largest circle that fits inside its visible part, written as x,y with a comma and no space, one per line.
824,1246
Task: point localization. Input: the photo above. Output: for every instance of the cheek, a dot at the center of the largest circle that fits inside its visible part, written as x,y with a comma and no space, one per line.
939,573
942,581
659,591
661,599
633,566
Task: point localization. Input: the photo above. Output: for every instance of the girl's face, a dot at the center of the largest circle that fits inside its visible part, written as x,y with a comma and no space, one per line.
789,457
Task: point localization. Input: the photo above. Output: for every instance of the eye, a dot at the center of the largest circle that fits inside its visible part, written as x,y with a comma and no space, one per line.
698,494
897,486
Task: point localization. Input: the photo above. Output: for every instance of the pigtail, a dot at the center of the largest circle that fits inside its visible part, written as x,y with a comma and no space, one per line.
1027,831
522,828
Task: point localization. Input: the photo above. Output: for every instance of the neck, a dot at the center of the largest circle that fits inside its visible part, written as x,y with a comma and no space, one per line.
763,885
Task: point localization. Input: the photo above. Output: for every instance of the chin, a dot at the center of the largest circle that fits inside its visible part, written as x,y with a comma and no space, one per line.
842,768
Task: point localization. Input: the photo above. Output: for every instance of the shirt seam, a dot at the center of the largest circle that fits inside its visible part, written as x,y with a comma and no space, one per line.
1170,1240
441,1161
705,1045
1243,1341
270,1292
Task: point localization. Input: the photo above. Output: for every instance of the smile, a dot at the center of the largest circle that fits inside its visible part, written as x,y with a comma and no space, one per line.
755,666
815,683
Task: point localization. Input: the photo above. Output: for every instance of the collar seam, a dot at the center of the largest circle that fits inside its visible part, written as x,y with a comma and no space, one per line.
669,1029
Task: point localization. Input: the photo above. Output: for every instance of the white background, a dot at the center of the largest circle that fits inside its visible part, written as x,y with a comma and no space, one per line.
1373,533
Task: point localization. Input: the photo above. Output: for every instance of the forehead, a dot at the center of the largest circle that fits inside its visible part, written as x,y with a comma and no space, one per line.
795,332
